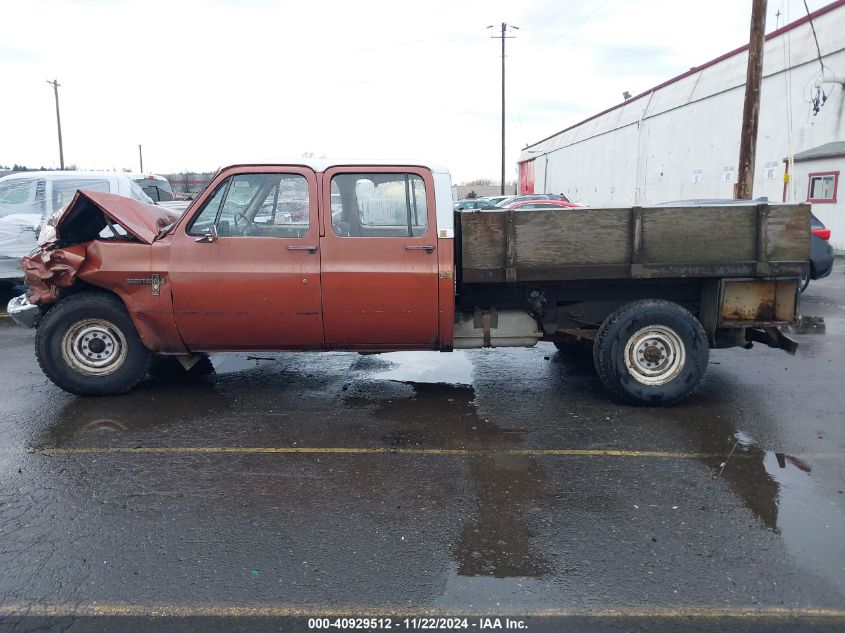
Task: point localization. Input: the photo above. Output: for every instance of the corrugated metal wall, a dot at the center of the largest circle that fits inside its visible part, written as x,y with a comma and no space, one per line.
681,141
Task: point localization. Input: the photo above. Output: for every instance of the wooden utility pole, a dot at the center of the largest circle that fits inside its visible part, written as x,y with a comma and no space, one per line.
55,83
504,37
744,188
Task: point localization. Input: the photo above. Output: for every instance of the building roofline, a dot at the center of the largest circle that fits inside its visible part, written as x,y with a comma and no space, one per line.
776,33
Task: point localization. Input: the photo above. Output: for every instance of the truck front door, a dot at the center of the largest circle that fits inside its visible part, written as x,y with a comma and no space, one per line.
379,261
245,267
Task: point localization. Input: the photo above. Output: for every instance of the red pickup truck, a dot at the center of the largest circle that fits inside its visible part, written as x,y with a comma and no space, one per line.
371,257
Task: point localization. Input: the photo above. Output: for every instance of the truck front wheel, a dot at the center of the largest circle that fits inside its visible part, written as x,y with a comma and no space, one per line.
651,352
88,345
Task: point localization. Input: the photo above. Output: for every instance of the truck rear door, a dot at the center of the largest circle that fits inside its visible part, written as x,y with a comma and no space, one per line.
379,258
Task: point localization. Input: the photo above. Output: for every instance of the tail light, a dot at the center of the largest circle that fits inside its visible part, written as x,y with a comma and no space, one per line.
822,233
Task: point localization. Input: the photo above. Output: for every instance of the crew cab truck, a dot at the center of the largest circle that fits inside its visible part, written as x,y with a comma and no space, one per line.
370,257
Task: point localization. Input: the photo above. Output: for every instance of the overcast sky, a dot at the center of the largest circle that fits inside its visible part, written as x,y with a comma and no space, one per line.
205,83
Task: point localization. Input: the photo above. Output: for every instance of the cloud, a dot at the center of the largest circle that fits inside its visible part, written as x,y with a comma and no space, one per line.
10,55
632,59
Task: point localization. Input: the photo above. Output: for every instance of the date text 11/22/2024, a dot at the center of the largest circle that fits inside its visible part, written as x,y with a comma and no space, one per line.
416,624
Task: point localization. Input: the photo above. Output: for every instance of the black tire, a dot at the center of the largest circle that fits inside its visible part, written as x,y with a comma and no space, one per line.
802,285
667,361
68,352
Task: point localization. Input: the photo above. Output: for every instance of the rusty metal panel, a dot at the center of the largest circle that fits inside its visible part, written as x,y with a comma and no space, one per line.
758,301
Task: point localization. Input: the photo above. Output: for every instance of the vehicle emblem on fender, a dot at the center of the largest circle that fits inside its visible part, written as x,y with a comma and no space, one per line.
153,280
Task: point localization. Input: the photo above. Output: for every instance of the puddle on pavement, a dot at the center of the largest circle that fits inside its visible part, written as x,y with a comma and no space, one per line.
227,363
422,367
781,491
809,523
807,325
495,542
481,592
453,368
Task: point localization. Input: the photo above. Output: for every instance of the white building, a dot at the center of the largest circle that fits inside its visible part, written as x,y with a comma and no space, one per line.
680,140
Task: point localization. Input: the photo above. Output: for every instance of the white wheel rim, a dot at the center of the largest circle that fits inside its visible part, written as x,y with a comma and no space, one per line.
94,347
655,355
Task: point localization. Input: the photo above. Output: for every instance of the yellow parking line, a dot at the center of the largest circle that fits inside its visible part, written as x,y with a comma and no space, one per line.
346,450
342,450
174,610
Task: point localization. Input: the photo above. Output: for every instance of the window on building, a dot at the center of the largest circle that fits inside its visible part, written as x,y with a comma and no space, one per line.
822,187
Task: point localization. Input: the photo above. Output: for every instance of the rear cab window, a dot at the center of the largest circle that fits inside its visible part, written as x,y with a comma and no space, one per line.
379,205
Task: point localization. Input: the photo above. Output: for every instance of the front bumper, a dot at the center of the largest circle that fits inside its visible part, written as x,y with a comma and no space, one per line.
23,312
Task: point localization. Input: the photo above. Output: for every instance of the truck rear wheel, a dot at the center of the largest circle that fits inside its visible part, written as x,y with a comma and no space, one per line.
651,352
87,345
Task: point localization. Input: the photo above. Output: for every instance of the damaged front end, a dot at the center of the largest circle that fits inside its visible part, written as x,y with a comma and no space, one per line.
99,239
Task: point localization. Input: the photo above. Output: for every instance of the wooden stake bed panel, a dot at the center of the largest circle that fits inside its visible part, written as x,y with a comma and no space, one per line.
634,243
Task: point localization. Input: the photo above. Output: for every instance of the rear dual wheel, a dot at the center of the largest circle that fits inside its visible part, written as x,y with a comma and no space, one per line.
651,352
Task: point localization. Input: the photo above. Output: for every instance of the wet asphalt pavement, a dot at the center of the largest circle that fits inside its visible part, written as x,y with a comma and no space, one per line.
485,483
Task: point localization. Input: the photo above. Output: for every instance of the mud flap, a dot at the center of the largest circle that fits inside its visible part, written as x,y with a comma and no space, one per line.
772,337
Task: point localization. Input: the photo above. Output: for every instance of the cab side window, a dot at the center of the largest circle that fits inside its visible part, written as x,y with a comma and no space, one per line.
379,205
257,205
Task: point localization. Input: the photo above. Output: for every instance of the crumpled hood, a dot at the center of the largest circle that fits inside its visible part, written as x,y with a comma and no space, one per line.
84,218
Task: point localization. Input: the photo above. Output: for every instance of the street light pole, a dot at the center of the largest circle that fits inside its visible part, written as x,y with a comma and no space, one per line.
141,157
55,83
503,37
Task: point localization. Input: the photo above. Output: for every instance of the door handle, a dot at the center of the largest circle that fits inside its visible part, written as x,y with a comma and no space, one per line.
428,248
310,249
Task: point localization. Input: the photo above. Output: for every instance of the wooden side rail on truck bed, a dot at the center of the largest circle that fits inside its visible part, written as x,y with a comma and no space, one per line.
755,240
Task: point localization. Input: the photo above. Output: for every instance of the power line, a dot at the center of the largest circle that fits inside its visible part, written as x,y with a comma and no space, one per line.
815,37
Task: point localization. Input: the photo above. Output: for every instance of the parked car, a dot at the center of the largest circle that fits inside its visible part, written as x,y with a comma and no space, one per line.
506,202
27,199
526,205
495,199
156,187
821,252
474,204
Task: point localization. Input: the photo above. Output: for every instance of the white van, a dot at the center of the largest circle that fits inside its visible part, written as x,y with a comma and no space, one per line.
28,198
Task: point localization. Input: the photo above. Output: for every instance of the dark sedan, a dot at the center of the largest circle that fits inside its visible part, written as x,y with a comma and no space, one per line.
474,204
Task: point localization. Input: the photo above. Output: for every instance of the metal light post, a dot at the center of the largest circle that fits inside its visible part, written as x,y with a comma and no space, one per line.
55,83
503,37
